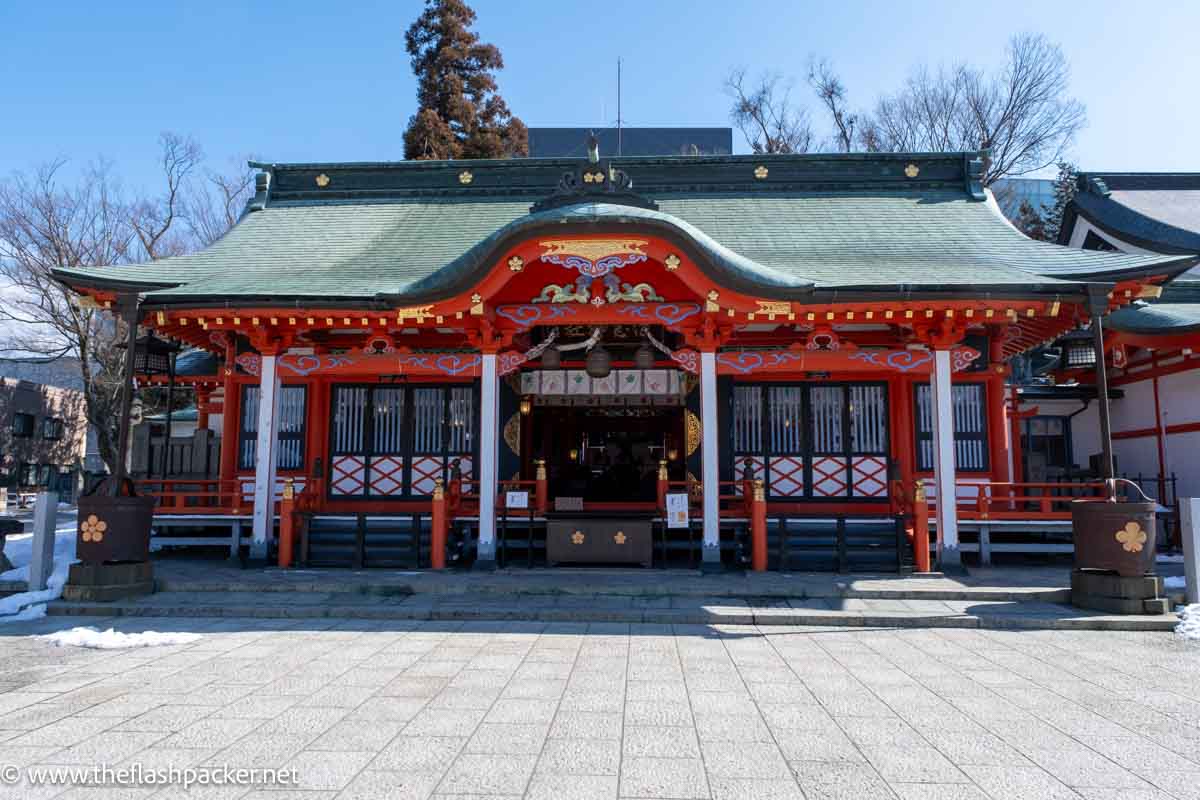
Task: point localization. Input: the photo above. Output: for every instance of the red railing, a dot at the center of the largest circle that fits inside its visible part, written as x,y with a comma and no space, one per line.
196,496
1022,499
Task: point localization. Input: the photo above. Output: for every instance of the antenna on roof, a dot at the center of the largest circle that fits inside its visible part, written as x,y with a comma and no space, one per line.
618,105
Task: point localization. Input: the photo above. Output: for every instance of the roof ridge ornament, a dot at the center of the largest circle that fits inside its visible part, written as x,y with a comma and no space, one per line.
594,179
973,173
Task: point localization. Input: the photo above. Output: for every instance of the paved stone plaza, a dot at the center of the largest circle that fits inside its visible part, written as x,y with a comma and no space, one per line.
391,709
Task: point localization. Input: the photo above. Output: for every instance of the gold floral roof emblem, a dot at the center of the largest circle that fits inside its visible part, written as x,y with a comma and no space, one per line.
760,172
619,538
93,528
516,263
322,180
465,177
672,262
912,170
577,537
1132,537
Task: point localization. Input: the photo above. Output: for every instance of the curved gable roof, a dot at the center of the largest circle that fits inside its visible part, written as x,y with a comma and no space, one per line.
780,225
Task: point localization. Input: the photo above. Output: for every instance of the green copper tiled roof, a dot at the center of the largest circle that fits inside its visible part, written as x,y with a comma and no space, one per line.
414,231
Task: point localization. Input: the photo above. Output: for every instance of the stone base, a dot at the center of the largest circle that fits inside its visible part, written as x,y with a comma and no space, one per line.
105,582
1107,591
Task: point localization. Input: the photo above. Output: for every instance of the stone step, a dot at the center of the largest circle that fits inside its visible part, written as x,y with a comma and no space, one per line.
850,613
614,583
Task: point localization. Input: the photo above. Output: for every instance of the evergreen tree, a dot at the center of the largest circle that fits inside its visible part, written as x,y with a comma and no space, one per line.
459,113
1064,193
1030,222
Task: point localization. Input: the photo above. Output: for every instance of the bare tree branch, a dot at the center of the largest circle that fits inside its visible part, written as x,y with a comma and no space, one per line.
765,115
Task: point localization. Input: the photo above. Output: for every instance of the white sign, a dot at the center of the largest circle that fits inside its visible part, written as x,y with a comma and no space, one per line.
516,499
677,510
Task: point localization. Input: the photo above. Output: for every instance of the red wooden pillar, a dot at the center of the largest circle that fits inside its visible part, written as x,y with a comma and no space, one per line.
542,487
997,429
1014,418
758,528
202,406
920,527
903,432
231,411
316,435
287,523
438,532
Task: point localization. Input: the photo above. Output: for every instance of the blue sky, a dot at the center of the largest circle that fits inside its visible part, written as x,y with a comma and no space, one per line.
309,80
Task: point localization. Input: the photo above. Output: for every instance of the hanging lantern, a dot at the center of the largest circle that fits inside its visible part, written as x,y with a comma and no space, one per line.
526,406
551,358
644,357
599,362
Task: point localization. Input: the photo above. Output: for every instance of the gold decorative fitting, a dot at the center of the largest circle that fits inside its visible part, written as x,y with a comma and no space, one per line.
760,493
912,170
577,537
694,431
593,177
671,262
619,537
92,529
1132,537
760,172
773,308
919,492
439,493
419,313
477,305
662,470
593,249
322,180
711,304
516,263
465,177
512,433
162,318
541,468
289,489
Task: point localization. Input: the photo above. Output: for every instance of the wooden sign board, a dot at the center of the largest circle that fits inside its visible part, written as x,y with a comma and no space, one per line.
677,510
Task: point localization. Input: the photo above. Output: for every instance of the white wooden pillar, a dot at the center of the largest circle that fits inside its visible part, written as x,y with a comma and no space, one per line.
264,457
943,461
710,463
489,441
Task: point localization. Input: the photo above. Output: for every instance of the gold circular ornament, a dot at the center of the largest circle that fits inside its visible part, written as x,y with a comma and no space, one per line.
912,170
322,180
760,172
465,177
577,537
671,262
92,529
512,433
1132,537
516,263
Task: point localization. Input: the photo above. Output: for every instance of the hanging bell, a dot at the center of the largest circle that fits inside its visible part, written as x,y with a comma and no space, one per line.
644,357
551,358
599,363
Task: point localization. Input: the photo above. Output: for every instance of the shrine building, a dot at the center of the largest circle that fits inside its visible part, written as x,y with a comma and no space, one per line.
555,361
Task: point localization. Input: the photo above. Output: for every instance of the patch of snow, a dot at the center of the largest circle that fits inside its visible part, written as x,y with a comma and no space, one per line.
1175,582
110,639
1189,622
19,549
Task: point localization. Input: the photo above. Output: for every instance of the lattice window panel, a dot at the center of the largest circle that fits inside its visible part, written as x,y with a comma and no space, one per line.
425,470
787,476
387,476
829,477
348,476
868,476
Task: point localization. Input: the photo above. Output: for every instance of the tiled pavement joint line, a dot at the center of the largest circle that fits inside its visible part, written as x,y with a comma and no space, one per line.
758,708
1083,675
992,691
